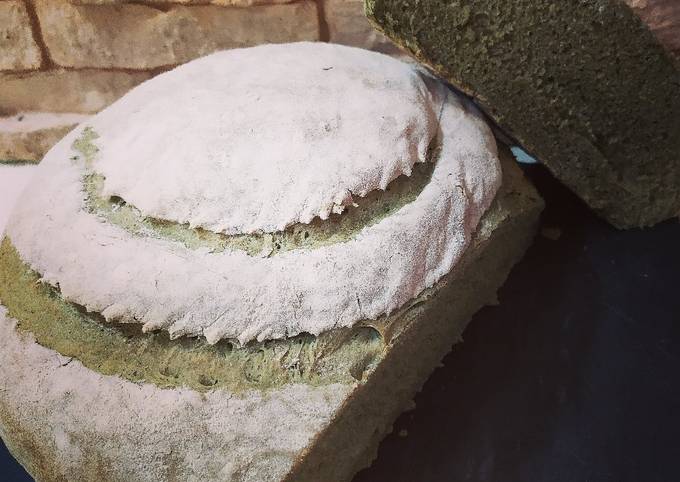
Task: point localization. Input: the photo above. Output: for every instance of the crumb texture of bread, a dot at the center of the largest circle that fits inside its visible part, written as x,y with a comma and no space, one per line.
585,86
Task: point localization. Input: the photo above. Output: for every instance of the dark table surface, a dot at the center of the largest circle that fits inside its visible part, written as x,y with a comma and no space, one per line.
575,376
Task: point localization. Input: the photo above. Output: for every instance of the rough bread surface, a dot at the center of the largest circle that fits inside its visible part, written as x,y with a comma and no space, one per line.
270,136
168,435
188,140
585,86
67,421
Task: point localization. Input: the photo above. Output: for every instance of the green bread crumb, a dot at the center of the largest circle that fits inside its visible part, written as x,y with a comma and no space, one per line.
85,145
338,228
339,356
583,85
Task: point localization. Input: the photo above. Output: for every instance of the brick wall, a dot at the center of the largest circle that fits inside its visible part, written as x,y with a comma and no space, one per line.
61,60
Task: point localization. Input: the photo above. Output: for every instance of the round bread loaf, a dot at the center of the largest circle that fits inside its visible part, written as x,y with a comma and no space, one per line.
223,253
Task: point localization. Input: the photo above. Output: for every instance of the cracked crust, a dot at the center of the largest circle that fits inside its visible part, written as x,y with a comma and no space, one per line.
295,432
165,285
